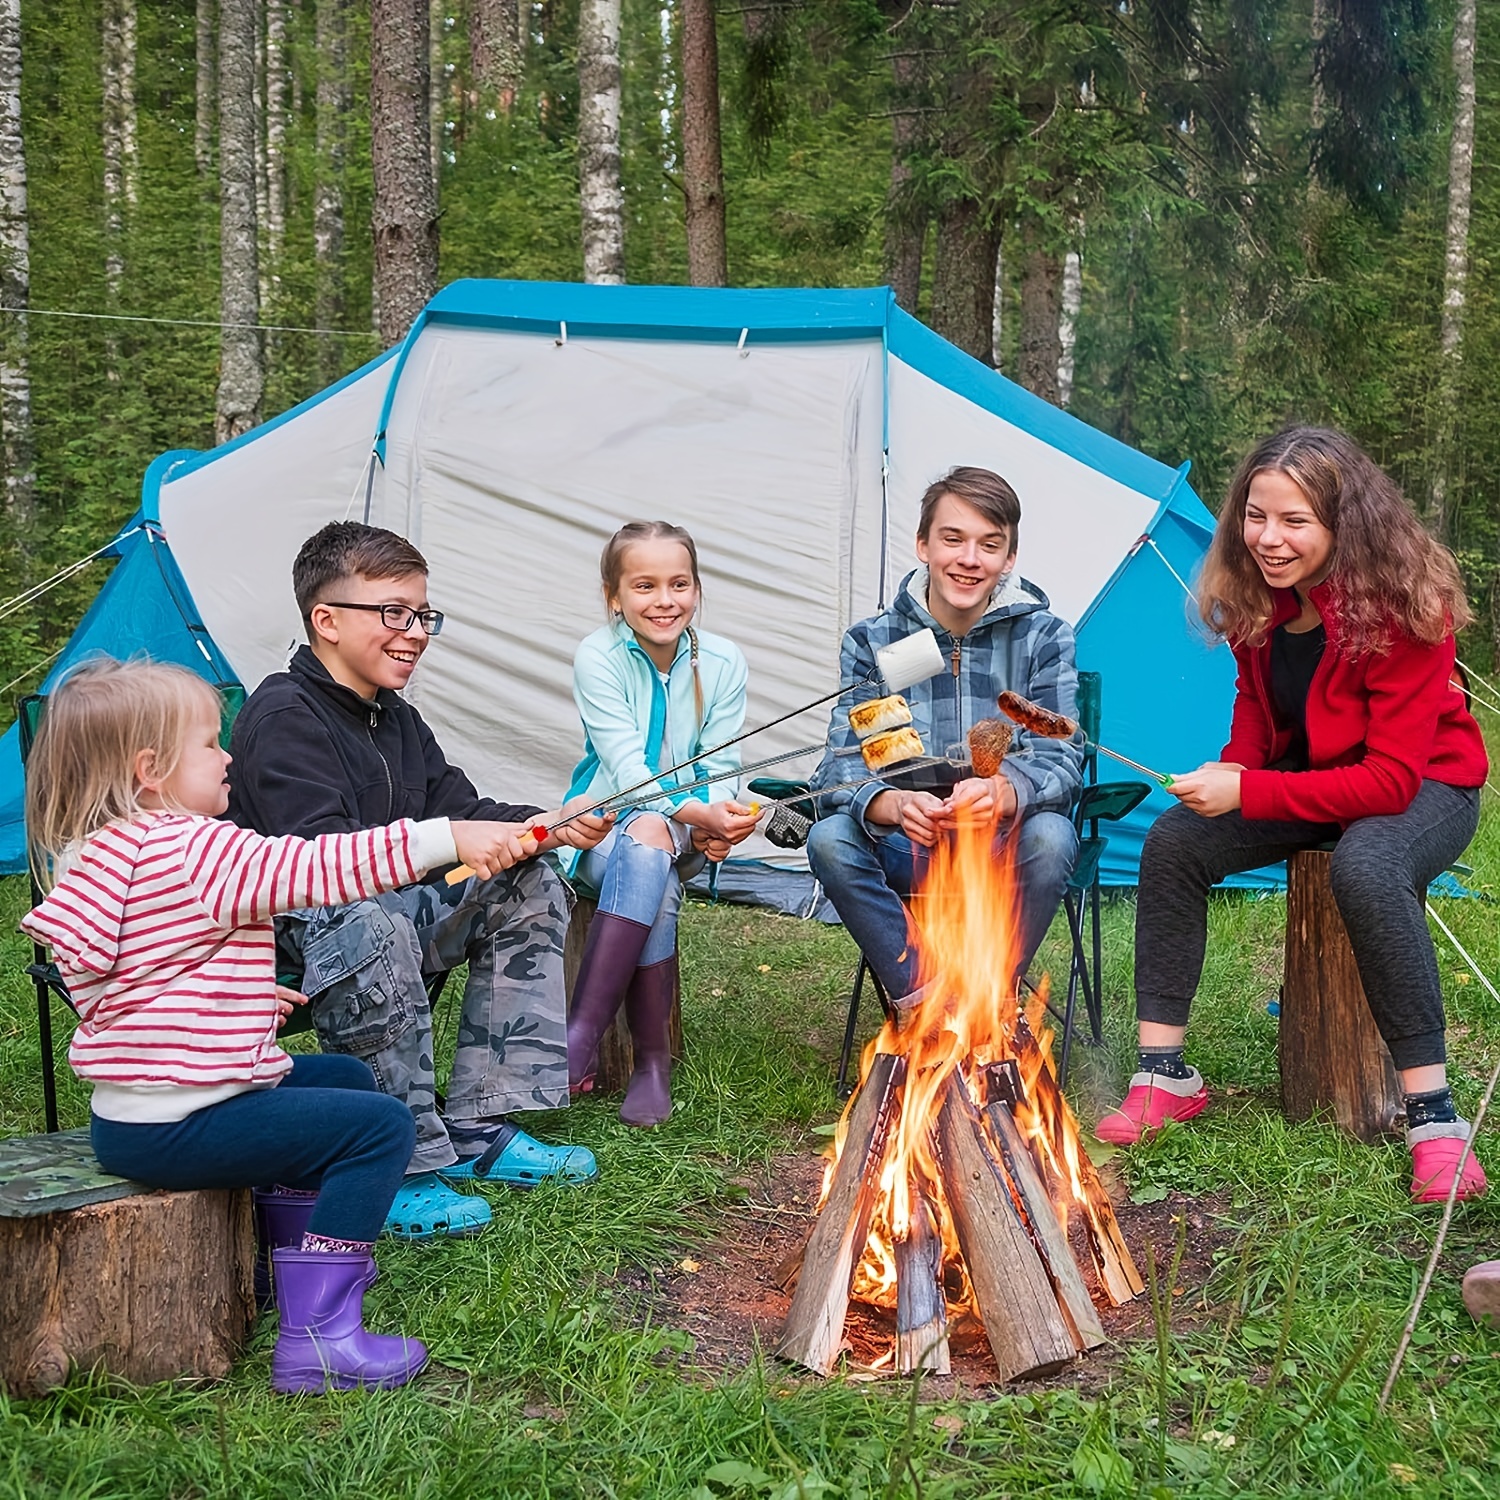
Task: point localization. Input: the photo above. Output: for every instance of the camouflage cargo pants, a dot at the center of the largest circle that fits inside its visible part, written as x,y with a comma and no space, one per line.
365,967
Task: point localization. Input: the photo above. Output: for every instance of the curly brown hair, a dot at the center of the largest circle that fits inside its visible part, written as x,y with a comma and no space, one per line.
1387,576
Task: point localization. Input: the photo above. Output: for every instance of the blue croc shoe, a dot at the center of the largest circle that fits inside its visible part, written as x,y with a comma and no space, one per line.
426,1207
515,1159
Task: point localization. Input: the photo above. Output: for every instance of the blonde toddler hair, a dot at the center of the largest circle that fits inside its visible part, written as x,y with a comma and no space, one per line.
80,773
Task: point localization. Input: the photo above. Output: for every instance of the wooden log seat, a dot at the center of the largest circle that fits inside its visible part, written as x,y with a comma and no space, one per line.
1333,1061
98,1271
616,1059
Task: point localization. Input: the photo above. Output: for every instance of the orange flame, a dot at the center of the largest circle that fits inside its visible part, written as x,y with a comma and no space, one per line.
965,923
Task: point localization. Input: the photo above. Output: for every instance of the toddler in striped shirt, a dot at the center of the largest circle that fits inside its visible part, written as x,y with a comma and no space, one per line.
160,920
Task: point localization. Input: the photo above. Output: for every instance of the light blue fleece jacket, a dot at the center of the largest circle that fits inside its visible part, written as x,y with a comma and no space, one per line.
633,727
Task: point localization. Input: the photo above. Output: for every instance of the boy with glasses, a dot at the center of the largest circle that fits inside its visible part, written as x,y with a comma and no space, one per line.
328,746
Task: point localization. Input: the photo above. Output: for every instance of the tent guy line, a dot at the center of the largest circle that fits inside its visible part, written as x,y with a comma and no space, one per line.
93,317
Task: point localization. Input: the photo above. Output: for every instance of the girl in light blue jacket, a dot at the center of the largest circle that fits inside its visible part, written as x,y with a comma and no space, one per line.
652,691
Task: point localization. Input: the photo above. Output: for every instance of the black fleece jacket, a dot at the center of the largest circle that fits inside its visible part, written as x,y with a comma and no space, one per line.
311,756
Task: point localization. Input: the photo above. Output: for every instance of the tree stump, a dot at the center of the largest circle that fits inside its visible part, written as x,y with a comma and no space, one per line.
100,1271
1332,1058
616,1057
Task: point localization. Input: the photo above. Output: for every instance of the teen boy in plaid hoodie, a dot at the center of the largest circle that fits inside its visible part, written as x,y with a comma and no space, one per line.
871,844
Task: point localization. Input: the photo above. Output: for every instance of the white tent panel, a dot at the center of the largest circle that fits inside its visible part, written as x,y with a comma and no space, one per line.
1076,523
235,524
511,460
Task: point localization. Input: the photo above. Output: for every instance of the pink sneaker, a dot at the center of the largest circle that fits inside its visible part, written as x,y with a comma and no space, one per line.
1435,1150
1482,1292
1151,1102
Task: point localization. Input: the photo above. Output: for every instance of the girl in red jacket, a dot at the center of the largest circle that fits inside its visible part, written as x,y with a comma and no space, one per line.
159,916
1349,725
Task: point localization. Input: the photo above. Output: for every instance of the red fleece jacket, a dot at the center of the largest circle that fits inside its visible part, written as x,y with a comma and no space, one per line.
1377,727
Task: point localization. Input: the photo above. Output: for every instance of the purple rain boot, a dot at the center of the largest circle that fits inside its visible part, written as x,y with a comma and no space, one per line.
323,1345
648,1009
609,958
281,1216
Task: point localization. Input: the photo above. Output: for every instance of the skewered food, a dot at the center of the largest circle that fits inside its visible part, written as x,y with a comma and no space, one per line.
1038,720
879,715
989,739
892,747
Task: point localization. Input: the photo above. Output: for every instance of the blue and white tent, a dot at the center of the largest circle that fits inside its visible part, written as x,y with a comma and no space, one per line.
793,432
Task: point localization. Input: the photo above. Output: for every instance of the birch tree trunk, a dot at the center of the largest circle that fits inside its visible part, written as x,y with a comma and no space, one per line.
436,111
277,86
497,48
1067,325
334,99
600,191
702,151
240,374
997,313
258,115
1041,308
1456,260
963,279
15,287
117,59
204,95
404,214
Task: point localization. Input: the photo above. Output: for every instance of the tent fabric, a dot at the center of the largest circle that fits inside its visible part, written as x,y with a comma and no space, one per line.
792,432
143,608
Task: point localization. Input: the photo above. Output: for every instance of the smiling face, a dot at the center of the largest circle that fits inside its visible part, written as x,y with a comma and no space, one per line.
657,595
1290,545
356,646
198,783
966,555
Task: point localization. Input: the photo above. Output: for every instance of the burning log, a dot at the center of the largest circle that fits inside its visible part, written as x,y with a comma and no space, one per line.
814,1329
1027,1331
921,1306
1046,1230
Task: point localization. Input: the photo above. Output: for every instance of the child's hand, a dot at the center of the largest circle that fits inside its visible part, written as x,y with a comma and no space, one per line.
581,833
488,848
286,998
727,822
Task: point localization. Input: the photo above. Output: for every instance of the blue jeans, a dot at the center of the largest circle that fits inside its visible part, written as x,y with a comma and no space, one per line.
325,1127
644,884
867,880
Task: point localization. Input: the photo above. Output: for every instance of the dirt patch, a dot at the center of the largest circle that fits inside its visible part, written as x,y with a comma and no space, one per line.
728,1295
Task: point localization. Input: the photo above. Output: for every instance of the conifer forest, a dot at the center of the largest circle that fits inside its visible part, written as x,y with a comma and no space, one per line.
1188,223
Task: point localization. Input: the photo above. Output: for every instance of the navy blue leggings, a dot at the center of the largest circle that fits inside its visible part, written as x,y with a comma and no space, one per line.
324,1127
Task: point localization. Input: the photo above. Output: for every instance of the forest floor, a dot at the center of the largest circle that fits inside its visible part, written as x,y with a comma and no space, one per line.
615,1340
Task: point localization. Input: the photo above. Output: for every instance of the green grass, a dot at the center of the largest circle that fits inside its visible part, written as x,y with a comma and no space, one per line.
557,1381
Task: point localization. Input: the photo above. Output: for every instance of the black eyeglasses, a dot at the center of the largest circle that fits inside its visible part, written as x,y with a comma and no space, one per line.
397,616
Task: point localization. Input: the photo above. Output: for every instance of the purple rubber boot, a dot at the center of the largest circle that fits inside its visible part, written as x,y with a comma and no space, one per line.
323,1344
648,1009
609,958
280,1220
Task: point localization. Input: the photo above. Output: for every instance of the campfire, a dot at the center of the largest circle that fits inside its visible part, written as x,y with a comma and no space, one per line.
960,1182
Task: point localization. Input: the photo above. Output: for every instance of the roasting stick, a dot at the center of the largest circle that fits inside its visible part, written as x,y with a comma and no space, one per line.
1053,726
912,659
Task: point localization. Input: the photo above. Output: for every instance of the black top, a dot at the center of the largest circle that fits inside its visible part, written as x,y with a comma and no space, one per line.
1294,659
312,757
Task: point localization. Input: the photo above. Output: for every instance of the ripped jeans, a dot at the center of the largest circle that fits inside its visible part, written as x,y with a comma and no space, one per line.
644,884
365,967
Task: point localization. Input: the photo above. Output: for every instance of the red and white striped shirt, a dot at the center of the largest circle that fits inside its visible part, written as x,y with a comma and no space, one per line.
162,929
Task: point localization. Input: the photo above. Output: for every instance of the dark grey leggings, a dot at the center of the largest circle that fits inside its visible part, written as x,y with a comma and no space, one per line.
1381,869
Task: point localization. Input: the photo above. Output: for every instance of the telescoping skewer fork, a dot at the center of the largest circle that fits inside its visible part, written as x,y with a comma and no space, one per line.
912,659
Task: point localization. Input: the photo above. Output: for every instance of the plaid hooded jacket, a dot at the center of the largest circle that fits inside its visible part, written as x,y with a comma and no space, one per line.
1018,644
